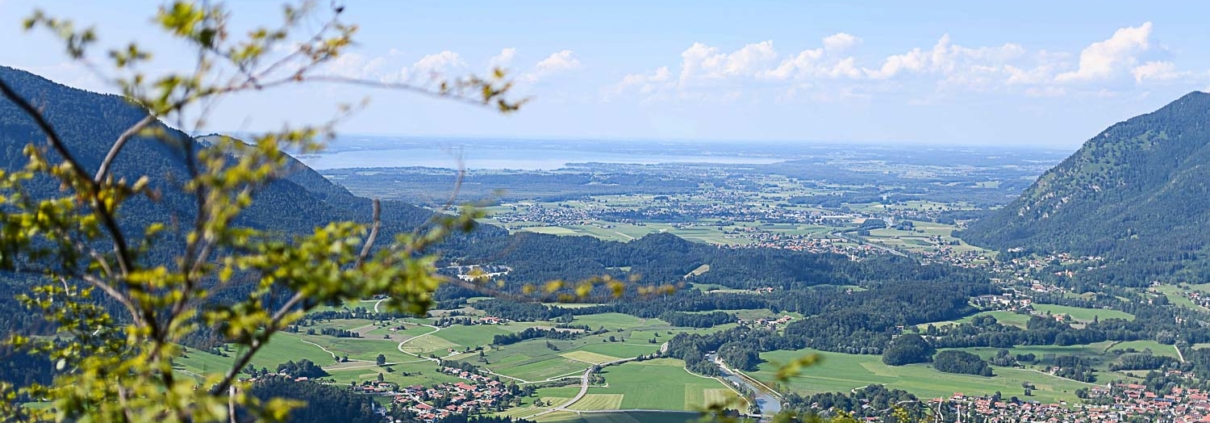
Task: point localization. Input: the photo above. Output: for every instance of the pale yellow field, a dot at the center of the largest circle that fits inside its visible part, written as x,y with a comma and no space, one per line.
599,402
588,357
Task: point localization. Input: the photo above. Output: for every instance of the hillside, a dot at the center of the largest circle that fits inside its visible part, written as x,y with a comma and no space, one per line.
1135,193
88,122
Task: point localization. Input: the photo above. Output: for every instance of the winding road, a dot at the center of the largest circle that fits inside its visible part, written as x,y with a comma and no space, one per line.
584,383
400,347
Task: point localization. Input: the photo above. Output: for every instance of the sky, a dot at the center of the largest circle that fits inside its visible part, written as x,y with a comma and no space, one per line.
1021,73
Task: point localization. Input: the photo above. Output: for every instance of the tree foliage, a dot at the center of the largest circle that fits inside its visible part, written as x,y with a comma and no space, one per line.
907,349
127,287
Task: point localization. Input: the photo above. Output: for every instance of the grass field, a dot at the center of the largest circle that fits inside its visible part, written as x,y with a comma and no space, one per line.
411,373
542,359
621,350
1155,347
1174,292
1006,318
1096,350
842,372
661,384
472,336
283,347
540,369
599,402
588,357
613,321
618,417
1083,314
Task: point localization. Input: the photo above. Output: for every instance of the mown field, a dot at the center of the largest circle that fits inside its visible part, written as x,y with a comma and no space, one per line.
660,384
546,359
843,372
1082,314
1007,318
618,417
1175,295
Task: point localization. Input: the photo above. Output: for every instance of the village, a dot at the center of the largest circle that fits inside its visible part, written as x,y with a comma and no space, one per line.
1119,402
482,394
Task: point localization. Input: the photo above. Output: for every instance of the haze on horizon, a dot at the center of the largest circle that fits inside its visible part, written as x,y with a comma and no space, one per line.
1024,74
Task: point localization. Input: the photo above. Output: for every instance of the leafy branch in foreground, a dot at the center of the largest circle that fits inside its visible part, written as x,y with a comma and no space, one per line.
162,275
125,293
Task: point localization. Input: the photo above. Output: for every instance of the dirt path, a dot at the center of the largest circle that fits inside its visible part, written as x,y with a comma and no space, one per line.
400,347
584,387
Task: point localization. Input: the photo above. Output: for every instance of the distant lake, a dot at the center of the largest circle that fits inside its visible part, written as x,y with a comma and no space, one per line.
506,158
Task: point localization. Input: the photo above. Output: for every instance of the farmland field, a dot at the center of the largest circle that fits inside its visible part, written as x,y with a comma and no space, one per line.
660,384
842,372
1083,314
589,357
618,417
476,335
1155,347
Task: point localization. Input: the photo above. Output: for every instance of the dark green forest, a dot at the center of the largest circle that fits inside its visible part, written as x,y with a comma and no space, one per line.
1135,193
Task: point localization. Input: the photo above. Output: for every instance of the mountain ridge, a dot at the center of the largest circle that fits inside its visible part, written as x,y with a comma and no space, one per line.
1136,192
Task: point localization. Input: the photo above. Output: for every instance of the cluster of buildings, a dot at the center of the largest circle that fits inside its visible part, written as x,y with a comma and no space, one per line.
767,322
537,213
440,401
1007,301
1200,298
1108,404
811,244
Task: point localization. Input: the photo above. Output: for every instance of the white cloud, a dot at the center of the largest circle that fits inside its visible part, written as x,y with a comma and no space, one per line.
1105,59
840,41
703,63
818,62
557,63
948,59
502,60
1159,71
438,65
646,83
353,65
830,70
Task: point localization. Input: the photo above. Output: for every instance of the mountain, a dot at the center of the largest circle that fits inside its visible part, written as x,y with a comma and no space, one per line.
88,122
1138,194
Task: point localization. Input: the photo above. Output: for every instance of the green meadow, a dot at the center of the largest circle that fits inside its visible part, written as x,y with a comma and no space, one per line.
843,372
660,384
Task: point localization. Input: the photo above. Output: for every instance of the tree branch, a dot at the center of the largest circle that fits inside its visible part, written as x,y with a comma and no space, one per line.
118,144
52,137
257,344
365,249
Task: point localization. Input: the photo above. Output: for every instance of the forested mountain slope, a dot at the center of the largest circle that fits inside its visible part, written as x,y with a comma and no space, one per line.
89,122
1137,193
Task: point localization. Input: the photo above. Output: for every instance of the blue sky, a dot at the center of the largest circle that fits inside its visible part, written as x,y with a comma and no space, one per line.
1023,73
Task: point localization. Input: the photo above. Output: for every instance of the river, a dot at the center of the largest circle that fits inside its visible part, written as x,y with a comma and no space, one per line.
769,404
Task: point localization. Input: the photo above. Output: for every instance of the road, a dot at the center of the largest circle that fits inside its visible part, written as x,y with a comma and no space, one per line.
400,347
584,387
